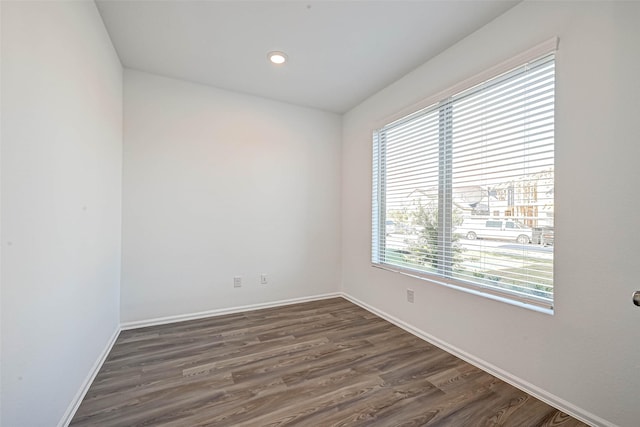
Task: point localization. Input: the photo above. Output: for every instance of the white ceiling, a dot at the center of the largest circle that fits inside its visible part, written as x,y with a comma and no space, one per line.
340,52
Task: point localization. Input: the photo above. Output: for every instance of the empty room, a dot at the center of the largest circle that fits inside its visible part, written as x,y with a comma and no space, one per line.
319,213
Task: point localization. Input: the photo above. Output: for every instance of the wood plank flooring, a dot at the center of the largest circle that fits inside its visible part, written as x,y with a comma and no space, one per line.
323,363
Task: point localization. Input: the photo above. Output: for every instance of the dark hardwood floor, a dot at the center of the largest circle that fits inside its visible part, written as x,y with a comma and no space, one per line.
323,363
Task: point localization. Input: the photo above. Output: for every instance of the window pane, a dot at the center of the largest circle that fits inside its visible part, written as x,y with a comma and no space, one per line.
503,157
412,193
464,190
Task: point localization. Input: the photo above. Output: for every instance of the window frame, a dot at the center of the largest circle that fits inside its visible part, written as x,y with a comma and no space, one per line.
437,102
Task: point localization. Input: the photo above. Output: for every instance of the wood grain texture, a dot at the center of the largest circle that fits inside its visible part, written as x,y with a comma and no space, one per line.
323,363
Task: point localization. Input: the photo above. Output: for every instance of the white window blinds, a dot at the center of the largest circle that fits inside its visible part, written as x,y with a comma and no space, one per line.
463,190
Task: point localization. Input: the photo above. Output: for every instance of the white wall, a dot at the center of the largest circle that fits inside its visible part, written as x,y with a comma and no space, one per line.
61,204
588,352
219,184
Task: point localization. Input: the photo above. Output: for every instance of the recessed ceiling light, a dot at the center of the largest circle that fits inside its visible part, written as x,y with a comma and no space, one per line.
277,57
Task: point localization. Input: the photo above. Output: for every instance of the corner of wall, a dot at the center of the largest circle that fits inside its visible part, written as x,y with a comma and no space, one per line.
84,387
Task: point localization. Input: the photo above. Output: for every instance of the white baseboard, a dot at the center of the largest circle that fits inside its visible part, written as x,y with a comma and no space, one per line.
84,388
533,390
223,311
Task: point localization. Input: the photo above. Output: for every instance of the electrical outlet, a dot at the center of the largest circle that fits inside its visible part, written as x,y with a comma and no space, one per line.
410,295
263,279
237,281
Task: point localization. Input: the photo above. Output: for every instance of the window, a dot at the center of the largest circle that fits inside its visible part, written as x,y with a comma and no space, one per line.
464,188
